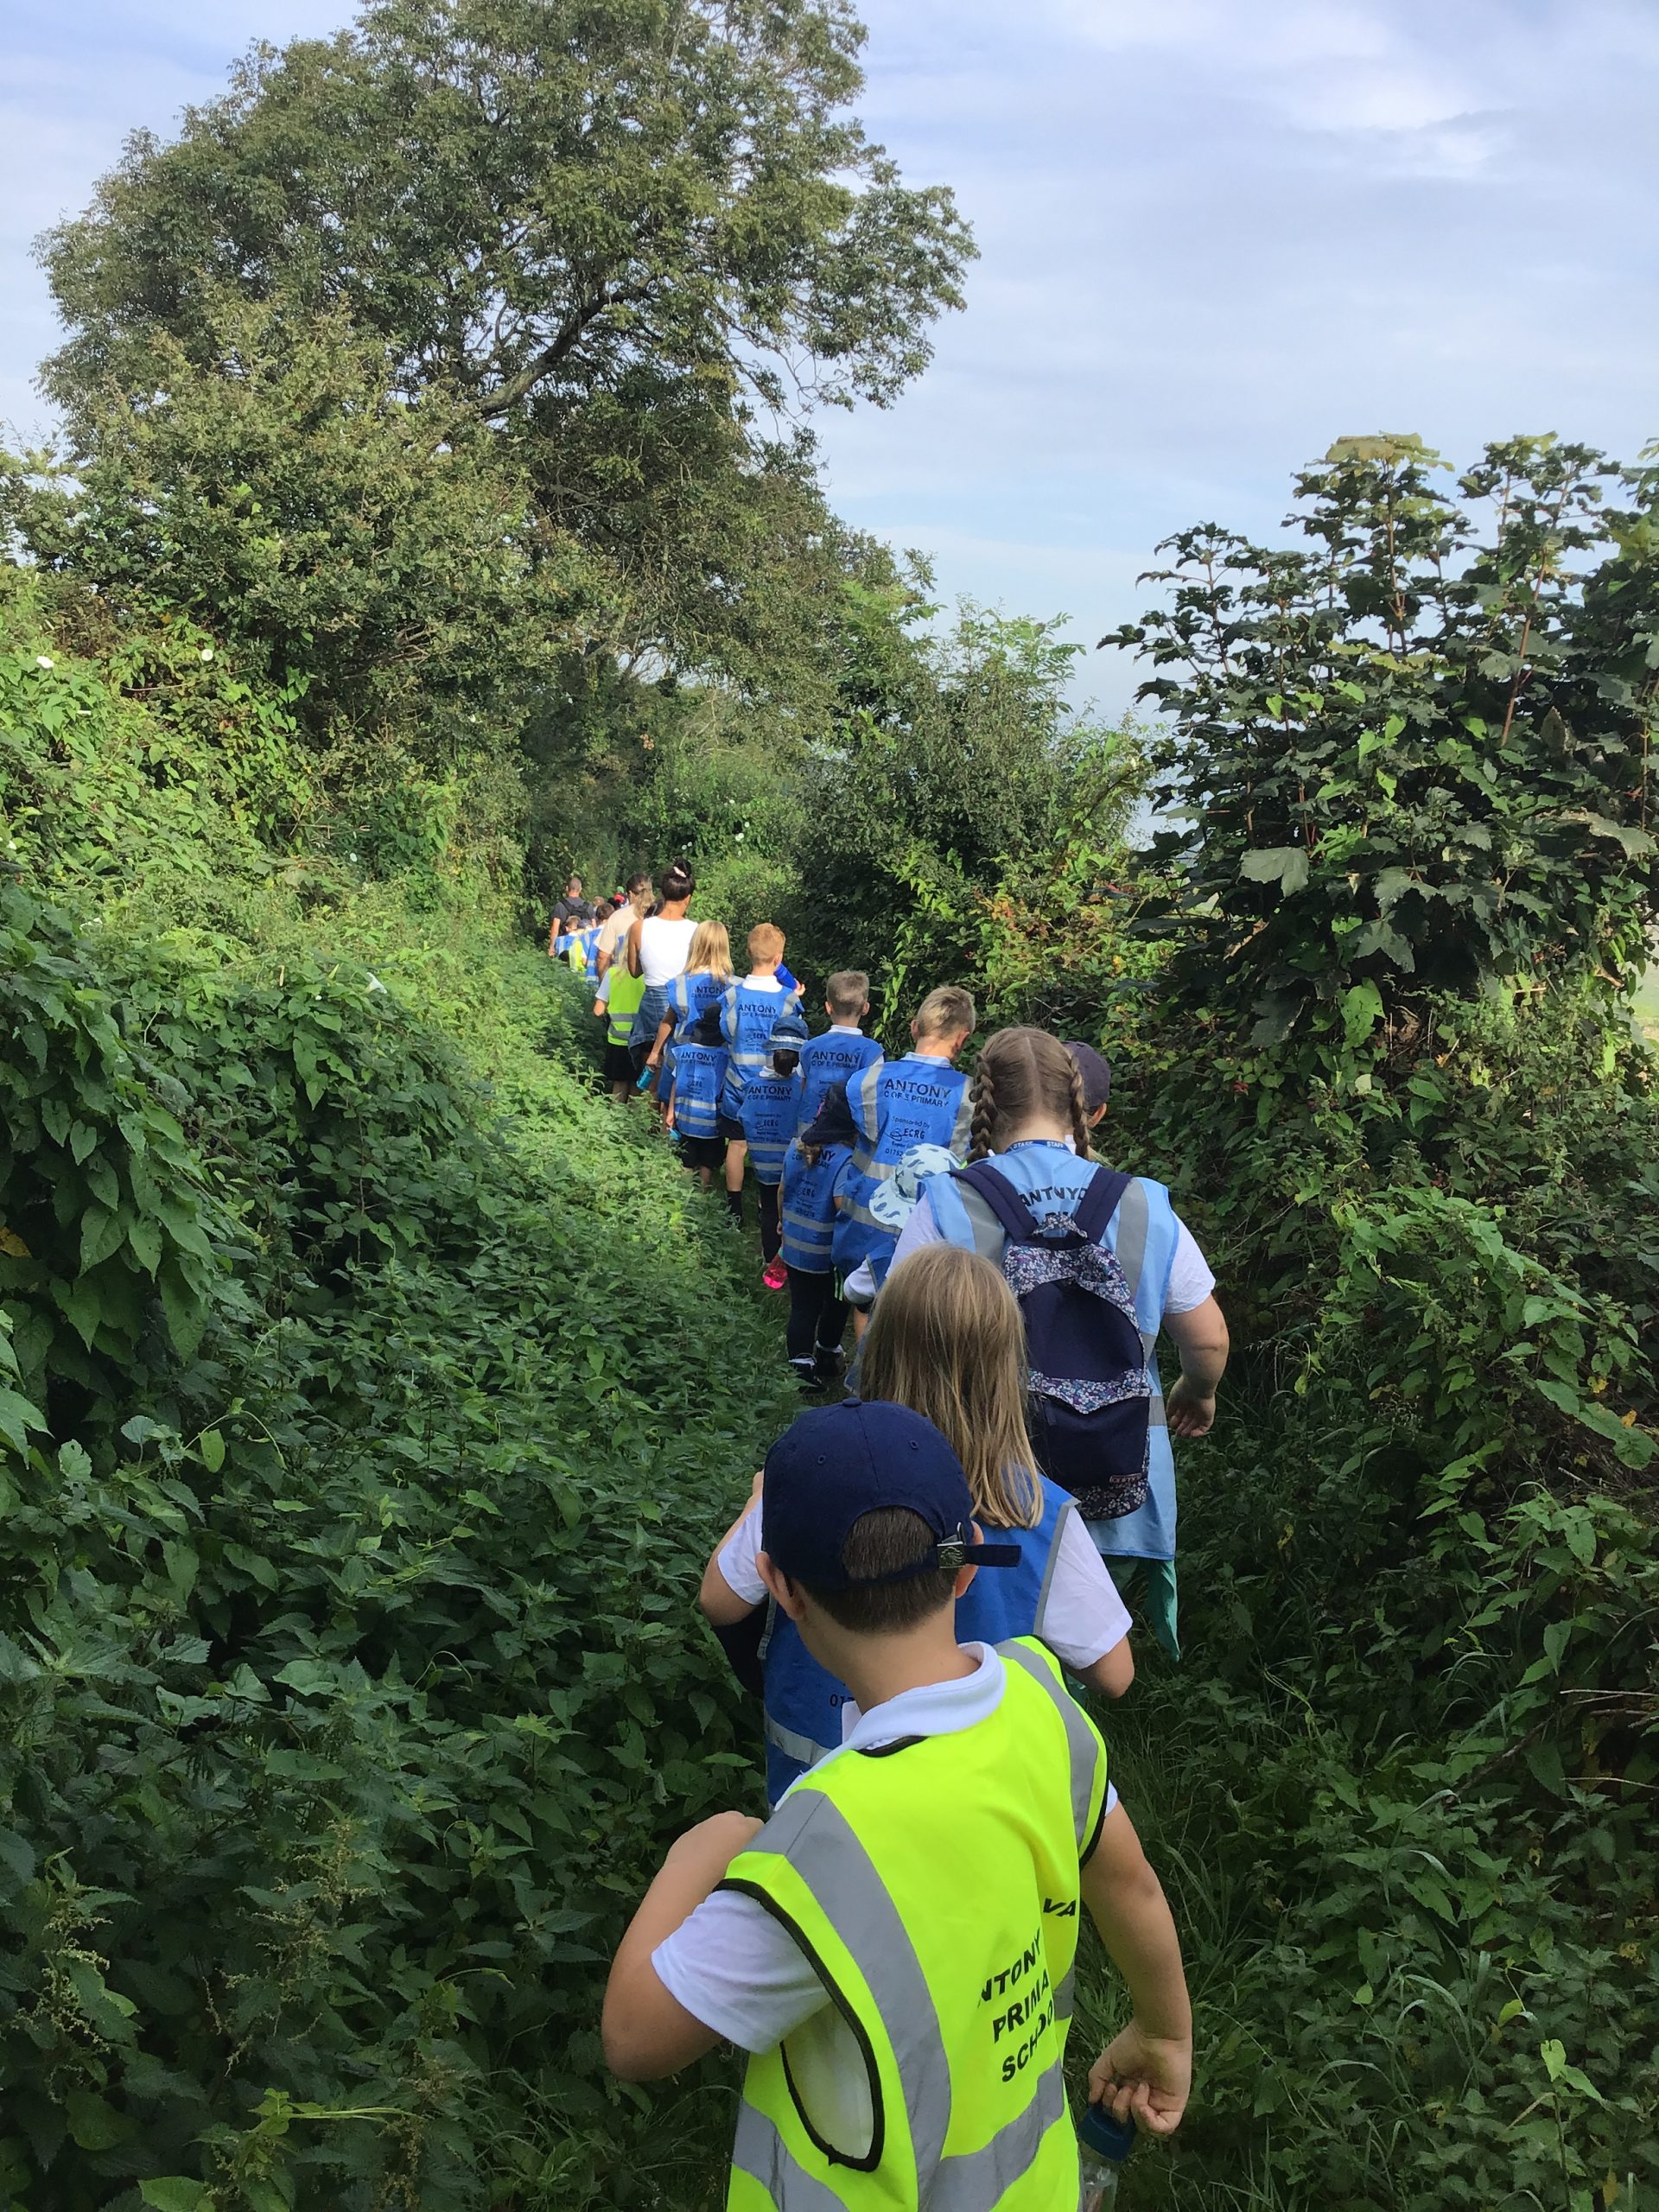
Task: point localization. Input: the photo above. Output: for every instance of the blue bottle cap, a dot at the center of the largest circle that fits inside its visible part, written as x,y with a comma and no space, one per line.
1106,2137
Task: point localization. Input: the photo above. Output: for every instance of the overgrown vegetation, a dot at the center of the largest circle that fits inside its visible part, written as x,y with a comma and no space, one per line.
347,1672
431,517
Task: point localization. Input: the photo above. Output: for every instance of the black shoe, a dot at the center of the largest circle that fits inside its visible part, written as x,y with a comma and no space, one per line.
805,1372
828,1368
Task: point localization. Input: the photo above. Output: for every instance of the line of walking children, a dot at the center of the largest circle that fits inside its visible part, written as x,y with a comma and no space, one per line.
914,1574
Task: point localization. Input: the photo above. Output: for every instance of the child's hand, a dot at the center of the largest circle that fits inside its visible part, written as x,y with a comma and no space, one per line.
1144,2078
1187,1413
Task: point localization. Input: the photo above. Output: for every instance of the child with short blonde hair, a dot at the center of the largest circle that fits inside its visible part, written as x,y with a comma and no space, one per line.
947,1341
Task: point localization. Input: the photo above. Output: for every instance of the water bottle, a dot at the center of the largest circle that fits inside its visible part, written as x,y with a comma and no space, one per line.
1104,2143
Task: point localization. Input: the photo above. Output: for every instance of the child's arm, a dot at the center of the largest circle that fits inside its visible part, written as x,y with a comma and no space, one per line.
1202,1340
654,1057
1146,2072
1113,1672
647,2033
720,1603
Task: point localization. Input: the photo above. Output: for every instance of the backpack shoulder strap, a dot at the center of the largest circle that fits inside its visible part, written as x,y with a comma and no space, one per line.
1101,1201
999,1195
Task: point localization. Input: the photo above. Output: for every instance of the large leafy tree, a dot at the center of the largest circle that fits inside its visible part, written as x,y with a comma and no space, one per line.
1414,758
536,200
485,334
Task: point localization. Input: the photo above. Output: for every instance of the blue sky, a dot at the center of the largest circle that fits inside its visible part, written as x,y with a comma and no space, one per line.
1214,235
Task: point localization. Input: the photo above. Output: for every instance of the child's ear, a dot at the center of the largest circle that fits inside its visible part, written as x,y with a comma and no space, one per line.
788,1596
1098,1115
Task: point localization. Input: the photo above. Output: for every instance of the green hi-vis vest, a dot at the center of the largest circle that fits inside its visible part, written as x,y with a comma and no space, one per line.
626,991
935,1888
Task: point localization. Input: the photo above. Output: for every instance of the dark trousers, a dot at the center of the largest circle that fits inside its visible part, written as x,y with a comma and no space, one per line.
770,1235
817,1318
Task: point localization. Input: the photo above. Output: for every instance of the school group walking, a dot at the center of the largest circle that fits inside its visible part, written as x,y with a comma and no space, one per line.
919,1569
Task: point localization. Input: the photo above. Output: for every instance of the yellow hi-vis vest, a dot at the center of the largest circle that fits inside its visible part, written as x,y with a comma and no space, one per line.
935,1888
626,991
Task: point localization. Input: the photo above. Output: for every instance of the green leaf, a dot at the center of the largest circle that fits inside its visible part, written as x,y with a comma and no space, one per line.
211,1445
101,1233
145,1239
95,2125
1277,1017
1362,1009
1637,842
175,2193
186,1312
1285,865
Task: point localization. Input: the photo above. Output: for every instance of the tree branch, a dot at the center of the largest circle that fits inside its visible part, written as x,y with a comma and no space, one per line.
507,396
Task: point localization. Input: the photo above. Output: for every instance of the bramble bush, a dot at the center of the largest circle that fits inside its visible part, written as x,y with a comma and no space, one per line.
345,1648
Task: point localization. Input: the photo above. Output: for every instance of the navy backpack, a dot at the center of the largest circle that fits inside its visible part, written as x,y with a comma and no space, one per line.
1090,1394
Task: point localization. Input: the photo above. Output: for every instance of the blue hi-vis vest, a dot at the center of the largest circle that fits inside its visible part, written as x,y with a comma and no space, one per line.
748,1013
809,1215
699,1074
836,1057
1143,1234
590,953
689,997
771,1108
896,1105
803,1700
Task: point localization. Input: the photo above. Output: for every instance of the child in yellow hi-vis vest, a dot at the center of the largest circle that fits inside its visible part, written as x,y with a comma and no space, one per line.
895,1947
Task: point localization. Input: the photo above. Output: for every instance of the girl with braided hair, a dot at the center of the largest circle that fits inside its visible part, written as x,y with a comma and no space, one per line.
1034,1104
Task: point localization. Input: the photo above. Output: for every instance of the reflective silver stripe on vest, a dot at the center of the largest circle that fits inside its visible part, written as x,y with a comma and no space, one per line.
794,1746
761,2153
879,1171
977,2181
818,1840
1080,1738
1050,1565
989,1236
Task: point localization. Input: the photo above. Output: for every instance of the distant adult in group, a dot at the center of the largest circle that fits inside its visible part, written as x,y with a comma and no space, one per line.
614,936
658,947
570,913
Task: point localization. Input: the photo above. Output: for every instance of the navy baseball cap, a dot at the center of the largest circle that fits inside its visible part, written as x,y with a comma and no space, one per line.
1096,1073
788,1033
837,1463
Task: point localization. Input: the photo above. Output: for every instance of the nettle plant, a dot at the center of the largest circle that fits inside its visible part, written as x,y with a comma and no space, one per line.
1413,757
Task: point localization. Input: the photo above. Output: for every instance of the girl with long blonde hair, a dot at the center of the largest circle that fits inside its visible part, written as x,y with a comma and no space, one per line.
687,997
946,1340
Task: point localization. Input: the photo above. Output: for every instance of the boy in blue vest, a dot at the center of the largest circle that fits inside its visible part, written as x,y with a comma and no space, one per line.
895,1946
749,1012
817,1312
771,1113
896,1107
843,1050
698,1080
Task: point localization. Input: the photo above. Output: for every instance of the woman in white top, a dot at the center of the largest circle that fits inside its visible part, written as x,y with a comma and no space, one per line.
657,946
